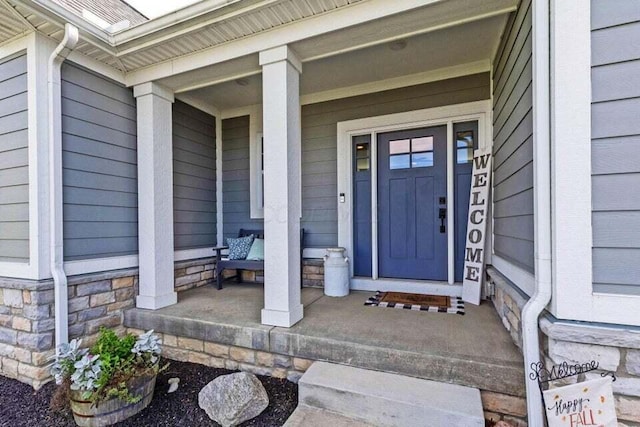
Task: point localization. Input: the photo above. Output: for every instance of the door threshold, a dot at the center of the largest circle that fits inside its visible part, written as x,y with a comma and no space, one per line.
406,285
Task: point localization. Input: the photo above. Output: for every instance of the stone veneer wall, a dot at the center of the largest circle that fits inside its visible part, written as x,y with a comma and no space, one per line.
27,313
496,405
616,348
312,274
231,357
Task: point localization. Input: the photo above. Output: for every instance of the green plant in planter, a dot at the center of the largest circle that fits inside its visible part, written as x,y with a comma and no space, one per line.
106,370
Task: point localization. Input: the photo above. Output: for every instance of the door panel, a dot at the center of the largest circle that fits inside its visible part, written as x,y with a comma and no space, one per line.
425,194
411,180
362,239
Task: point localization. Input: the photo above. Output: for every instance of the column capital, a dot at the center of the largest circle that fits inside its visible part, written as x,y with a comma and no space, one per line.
153,88
278,54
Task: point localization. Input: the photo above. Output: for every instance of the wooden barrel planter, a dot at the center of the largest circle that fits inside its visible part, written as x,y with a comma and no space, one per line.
115,410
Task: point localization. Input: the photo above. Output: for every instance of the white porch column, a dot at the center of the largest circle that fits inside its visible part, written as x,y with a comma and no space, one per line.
155,196
282,157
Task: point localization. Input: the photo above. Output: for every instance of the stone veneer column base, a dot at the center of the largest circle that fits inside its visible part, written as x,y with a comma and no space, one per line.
27,317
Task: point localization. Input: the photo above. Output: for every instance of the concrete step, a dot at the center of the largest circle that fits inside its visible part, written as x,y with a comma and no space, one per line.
385,399
306,416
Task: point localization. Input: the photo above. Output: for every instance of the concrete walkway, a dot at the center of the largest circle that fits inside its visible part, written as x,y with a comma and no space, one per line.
472,350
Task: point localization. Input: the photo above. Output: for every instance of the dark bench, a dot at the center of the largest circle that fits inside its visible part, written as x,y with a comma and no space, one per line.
245,264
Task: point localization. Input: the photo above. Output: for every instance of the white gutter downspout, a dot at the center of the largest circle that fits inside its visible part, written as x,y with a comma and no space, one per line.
55,182
542,206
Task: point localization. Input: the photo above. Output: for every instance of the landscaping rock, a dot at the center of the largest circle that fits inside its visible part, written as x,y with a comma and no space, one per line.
173,384
232,399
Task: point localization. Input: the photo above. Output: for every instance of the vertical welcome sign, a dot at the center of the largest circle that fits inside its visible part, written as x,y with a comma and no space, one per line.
474,255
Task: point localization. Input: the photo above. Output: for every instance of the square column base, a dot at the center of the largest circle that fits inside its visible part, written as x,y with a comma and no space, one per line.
285,319
156,302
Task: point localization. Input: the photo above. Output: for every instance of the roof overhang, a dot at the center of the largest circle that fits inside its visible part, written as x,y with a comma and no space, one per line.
214,32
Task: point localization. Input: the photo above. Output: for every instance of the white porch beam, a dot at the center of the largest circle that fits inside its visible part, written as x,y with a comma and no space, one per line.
309,28
155,196
282,201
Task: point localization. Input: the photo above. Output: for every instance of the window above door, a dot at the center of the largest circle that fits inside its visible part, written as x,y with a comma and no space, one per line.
411,153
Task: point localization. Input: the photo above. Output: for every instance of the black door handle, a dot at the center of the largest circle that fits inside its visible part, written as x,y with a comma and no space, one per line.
442,214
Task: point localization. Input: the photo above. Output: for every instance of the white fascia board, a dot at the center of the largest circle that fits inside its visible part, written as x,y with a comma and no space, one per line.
198,13
342,18
375,8
16,45
59,16
210,109
97,66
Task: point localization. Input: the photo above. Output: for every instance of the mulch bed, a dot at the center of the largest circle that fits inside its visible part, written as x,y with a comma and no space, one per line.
21,406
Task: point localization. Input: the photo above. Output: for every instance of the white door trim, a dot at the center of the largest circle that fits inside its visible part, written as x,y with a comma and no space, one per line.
446,115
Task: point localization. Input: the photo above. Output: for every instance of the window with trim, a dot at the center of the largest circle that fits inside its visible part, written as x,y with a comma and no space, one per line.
256,162
411,153
256,159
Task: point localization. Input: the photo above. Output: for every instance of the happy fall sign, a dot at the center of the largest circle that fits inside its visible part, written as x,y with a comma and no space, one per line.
589,403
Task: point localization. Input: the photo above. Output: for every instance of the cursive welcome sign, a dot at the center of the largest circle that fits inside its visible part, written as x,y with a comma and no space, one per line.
477,227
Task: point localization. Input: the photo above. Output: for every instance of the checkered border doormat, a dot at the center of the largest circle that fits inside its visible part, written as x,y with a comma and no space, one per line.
456,307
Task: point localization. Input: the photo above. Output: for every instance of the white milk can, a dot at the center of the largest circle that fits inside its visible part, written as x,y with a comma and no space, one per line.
336,273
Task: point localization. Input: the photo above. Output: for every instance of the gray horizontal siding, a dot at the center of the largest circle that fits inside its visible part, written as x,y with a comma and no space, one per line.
235,177
513,142
319,141
319,151
14,160
100,189
194,177
615,147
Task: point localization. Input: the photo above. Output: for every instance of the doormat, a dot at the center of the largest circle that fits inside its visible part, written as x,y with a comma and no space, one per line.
417,302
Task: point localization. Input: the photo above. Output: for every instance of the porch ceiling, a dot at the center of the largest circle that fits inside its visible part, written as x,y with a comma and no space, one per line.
470,44
213,41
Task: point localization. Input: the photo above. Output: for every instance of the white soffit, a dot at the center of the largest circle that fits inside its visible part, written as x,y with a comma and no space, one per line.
465,44
203,27
12,24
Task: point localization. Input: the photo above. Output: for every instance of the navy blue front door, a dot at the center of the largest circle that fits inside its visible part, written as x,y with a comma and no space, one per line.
412,190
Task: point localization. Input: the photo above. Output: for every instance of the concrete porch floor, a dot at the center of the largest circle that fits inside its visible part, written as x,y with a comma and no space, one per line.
472,350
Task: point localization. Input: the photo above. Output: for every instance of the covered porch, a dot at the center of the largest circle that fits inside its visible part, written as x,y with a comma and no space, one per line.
223,328
288,117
